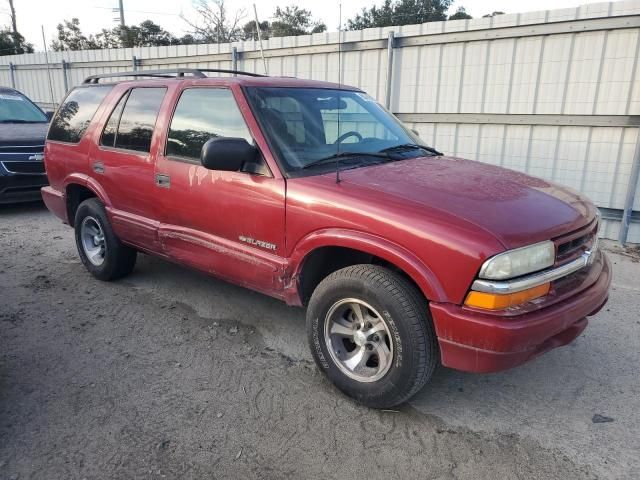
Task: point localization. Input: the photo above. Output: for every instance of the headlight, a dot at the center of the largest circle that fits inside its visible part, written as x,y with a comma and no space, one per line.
520,261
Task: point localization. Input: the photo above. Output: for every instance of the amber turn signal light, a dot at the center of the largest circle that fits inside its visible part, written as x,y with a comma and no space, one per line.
494,301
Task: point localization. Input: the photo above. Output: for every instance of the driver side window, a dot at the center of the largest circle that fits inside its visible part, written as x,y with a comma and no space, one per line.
202,114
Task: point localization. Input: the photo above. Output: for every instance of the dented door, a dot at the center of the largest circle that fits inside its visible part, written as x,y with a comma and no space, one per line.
230,224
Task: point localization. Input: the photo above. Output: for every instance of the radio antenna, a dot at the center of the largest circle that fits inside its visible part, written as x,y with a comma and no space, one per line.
339,89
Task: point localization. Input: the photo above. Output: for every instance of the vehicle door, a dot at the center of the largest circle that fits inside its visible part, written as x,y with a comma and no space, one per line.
123,163
230,223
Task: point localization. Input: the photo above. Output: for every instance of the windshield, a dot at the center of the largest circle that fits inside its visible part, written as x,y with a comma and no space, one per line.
305,126
16,108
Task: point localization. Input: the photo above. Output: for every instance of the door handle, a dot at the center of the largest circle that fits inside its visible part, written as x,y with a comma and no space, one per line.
163,181
98,167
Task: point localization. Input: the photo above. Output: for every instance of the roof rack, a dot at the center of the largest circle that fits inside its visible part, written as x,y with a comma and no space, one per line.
167,73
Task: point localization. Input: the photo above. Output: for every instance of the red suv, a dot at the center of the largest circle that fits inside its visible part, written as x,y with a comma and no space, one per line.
313,193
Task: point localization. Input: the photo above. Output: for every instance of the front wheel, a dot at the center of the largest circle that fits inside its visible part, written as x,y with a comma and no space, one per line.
370,333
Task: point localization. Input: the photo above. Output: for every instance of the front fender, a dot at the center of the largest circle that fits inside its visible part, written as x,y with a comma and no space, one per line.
368,243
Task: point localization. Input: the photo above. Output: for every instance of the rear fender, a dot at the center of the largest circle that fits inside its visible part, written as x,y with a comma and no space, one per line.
90,183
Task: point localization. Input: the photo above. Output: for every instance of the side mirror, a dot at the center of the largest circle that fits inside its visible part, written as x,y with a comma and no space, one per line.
227,153
49,114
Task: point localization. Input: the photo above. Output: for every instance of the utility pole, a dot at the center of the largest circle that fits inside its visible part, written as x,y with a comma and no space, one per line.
123,32
14,25
13,17
121,14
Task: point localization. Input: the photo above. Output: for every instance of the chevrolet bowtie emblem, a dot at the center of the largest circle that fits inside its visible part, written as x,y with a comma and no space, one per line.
37,156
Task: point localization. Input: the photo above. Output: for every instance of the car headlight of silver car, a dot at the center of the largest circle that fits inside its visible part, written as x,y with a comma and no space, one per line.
520,261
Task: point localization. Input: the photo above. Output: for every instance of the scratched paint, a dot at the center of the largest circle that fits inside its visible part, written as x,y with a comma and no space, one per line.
219,249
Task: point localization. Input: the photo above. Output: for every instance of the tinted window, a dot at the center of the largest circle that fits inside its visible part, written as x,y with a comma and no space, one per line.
139,118
203,113
16,108
109,133
75,114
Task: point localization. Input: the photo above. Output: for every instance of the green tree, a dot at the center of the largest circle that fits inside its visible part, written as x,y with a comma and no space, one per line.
288,21
461,14
250,32
145,34
400,12
292,21
187,39
70,37
12,43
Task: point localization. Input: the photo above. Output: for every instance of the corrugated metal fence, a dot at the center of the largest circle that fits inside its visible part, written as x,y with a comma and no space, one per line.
553,93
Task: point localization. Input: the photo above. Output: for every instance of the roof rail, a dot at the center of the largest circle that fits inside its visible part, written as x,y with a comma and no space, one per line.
166,73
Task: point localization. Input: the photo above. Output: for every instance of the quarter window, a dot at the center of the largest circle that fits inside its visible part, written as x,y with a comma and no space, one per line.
75,114
133,119
201,114
109,133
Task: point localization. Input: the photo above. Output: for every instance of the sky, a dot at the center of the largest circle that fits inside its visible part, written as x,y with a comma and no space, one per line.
95,15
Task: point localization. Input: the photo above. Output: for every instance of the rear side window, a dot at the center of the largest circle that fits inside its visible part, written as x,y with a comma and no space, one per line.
138,119
109,133
75,114
201,114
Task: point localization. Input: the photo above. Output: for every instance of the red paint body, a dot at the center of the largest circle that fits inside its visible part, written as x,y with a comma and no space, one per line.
438,226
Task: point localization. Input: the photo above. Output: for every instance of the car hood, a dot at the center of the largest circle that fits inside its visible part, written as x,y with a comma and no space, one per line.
22,134
516,208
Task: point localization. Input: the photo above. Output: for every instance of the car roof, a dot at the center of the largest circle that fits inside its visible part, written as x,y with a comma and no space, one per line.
9,90
243,80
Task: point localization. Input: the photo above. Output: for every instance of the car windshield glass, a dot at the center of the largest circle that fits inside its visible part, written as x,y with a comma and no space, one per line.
16,108
304,126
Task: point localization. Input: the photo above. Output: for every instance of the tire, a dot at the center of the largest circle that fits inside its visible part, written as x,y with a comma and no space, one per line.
411,346
114,259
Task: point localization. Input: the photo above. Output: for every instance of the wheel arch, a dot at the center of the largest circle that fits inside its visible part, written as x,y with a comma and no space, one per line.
78,188
314,257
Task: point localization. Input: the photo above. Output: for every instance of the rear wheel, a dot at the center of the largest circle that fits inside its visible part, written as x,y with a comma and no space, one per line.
100,250
371,334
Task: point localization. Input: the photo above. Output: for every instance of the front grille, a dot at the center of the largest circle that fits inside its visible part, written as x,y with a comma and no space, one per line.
18,149
27,189
574,245
568,248
33,167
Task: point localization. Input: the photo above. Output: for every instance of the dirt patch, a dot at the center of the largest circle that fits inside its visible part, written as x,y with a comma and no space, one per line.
103,380
630,251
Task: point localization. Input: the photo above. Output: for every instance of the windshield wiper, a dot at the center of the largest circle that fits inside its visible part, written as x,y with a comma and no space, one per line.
411,146
335,156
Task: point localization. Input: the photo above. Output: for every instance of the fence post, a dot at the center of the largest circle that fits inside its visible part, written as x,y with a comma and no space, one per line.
234,59
390,42
12,74
631,194
134,61
65,78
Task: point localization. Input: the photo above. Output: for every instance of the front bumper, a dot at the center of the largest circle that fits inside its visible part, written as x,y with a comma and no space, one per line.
475,341
21,188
